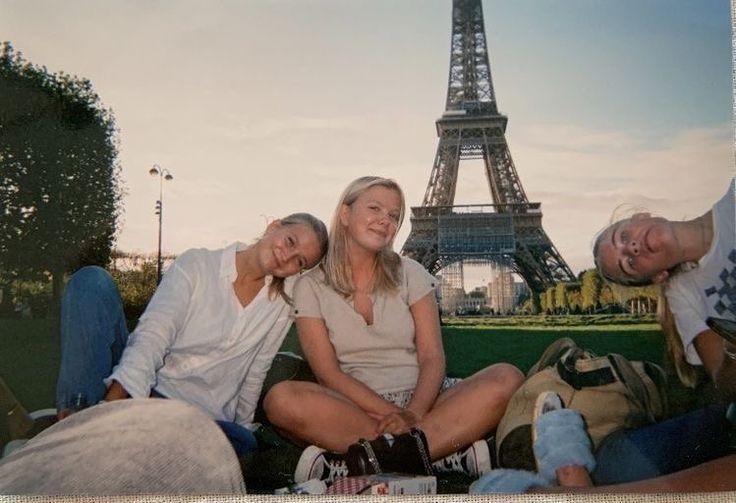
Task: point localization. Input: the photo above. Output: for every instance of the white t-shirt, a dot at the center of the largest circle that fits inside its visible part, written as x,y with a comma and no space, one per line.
710,288
197,343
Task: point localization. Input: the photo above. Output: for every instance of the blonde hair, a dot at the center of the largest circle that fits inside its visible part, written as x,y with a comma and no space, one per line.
315,225
336,265
685,372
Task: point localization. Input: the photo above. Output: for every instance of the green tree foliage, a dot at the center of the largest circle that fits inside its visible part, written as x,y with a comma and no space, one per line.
59,174
550,302
543,302
562,305
575,298
591,290
135,276
567,298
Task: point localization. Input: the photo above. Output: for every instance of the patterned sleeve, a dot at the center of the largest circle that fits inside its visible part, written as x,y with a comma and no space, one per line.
417,280
307,298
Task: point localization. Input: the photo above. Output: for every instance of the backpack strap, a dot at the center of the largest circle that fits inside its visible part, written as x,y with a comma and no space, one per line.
634,382
552,354
581,369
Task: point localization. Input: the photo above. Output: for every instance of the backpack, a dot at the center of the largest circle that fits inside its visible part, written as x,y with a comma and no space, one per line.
609,391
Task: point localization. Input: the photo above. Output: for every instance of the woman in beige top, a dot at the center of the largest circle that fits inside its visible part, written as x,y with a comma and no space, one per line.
368,325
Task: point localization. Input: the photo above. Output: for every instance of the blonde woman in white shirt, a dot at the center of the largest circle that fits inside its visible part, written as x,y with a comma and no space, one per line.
207,337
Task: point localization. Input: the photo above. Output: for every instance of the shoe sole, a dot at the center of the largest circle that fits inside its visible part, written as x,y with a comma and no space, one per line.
539,405
306,464
482,457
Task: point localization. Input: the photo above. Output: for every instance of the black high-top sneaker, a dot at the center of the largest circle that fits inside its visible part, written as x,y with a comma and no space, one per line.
366,457
405,453
409,454
317,463
474,460
362,458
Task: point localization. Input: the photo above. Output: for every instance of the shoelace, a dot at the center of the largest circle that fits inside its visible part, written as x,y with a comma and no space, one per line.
451,463
338,468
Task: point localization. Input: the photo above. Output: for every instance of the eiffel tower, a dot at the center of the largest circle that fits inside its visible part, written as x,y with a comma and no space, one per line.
509,231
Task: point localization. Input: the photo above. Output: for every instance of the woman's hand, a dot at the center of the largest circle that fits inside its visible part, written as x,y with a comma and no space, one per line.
714,353
116,392
397,423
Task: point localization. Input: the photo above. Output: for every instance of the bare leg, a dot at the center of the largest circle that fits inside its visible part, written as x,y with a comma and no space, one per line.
573,476
716,475
470,409
308,413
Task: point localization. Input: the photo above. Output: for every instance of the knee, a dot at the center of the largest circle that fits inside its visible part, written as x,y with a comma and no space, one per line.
504,379
281,402
90,277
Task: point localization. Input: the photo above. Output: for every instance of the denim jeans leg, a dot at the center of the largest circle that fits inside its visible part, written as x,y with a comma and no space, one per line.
665,447
241,438
93,335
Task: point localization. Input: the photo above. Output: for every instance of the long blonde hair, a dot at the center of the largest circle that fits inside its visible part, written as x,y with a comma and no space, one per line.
685,372
336,265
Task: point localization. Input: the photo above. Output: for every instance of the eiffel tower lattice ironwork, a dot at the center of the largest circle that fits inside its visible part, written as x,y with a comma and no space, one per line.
508,231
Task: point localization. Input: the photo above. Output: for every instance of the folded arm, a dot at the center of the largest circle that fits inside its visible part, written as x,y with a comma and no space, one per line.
322,359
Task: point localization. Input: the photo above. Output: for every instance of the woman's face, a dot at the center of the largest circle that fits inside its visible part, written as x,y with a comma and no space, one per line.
287,249
640,248
373,218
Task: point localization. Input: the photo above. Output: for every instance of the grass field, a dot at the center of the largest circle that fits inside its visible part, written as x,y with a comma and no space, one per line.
29,349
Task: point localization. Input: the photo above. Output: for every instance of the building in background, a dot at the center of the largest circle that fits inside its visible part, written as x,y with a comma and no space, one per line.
501,290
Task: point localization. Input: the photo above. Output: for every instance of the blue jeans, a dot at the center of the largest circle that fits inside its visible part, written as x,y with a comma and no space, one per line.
93,336
665,447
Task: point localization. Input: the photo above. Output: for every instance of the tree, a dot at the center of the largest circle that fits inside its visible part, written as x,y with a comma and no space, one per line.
591,290
550,294
135,276
574,298
562,306
543,302
59,173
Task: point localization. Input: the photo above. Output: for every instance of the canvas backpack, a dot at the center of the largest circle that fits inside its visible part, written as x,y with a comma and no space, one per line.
610,392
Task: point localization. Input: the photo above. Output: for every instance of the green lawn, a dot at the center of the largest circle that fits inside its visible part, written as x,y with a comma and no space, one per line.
29,360
29,354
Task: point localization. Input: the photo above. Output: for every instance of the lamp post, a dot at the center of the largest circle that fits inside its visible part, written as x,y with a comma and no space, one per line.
163,174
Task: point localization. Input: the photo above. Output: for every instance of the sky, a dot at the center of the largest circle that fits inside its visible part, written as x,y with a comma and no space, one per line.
260,108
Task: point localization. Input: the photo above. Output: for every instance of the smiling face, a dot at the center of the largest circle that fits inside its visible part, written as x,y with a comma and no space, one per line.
638,250
287,249
372,220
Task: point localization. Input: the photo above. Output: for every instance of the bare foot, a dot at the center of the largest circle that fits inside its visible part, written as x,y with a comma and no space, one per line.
63,413
573,476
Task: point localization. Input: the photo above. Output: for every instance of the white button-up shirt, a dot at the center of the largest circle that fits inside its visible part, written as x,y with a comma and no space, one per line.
197,343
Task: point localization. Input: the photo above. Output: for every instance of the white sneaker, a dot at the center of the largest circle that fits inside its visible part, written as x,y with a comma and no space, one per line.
317,463
547,401
473,461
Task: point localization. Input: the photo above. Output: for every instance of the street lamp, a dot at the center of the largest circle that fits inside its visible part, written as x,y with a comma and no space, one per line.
163,174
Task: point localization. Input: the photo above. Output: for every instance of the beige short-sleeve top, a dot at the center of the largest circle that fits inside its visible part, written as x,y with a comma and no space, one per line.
382,355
